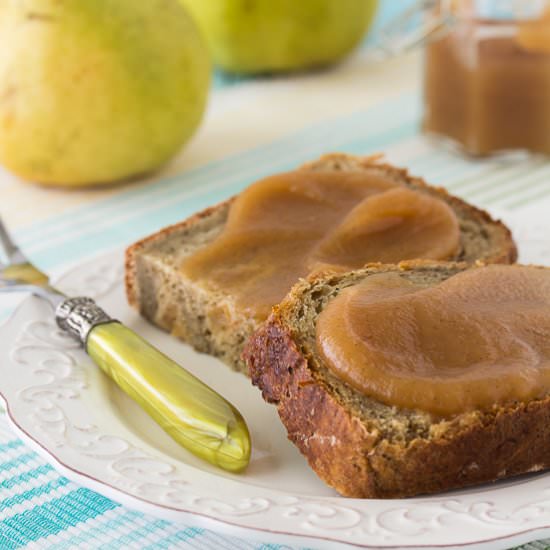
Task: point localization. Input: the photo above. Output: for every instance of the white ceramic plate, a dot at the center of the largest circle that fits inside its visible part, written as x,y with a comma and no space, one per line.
60,403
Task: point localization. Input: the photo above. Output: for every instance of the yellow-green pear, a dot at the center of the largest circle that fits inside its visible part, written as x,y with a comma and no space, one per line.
261,36
95,91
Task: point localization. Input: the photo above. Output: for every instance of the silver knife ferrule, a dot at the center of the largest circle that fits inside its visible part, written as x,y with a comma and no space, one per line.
78,316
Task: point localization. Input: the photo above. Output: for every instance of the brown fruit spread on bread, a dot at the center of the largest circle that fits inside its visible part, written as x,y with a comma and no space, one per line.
478,339
286,226
209,317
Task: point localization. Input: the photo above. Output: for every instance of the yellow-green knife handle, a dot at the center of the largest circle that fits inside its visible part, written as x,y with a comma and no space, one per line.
193,414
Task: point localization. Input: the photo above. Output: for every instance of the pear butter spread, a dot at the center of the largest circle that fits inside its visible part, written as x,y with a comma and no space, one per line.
289,225
479,338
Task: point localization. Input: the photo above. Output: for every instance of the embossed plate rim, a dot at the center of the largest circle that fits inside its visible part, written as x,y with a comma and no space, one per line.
426,512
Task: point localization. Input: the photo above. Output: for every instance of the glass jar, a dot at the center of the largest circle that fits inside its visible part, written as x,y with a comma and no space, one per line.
487,76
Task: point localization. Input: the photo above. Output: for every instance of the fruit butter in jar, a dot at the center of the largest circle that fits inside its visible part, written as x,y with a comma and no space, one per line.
487,76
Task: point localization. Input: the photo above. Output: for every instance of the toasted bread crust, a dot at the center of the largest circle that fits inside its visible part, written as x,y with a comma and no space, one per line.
471,448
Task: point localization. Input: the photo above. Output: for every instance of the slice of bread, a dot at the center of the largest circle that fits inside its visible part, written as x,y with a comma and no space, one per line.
367,449
207,320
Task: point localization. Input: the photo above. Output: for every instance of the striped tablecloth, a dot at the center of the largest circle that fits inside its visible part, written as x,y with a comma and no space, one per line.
253,128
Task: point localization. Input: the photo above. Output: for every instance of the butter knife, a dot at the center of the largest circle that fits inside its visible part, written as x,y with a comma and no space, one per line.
189,411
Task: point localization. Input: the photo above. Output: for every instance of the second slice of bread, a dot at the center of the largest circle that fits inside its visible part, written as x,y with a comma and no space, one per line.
364,448
206,318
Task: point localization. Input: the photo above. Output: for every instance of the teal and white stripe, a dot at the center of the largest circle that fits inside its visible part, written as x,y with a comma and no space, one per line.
40,509
392,127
